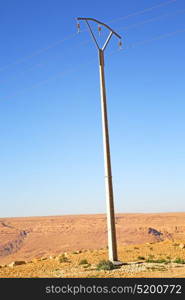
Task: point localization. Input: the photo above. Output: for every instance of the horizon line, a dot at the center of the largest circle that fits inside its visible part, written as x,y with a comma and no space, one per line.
94,214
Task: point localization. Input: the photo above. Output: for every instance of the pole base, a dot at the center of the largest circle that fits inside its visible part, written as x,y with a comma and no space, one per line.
117,263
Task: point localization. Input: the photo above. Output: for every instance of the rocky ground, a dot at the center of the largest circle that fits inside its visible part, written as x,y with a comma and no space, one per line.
35,237
161,259
149,245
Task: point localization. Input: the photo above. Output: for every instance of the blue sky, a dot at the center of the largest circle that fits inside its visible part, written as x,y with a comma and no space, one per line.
51,156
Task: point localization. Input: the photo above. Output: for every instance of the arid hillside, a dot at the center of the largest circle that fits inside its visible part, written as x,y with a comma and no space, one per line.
35,237
160,259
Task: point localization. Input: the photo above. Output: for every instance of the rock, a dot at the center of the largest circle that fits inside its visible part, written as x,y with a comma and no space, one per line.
11,264
77,252
154,232
17,263
182,246
43,258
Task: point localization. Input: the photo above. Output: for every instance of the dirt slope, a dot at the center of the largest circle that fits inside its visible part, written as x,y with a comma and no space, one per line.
34,237
161,259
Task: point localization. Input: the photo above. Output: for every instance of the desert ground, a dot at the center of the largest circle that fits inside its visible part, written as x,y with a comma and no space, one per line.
149,245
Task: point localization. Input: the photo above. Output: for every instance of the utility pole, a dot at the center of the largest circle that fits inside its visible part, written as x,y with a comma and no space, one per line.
112,243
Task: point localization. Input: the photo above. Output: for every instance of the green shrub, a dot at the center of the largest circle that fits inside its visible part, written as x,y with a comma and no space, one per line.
63,258
179,261
151,257
158,261
161,261
83,262
105,265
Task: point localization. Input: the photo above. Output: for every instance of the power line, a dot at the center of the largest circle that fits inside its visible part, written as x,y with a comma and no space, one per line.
57,43
140,12
31,68
42,82
158,37
182,11
135,25
36,53
74,69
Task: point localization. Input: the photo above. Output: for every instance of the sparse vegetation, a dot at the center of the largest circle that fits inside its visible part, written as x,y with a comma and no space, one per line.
64,251
157,268
83,262
158,261
87,266
138,262
63,258
141,257
179,261
105,265
151,257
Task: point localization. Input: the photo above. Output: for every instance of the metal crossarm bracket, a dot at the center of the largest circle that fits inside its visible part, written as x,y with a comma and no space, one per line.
112,32
103,24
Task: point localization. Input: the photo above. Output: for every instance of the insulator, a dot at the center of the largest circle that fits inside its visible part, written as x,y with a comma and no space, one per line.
99,29
120,44
78,27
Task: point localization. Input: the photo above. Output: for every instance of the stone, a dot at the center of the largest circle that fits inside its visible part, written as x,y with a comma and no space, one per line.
182,246
17,263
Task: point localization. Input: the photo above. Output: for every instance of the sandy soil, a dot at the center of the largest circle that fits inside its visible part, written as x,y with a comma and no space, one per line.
135,259
35,237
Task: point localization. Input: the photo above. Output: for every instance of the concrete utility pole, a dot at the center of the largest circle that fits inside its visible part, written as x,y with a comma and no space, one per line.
112,243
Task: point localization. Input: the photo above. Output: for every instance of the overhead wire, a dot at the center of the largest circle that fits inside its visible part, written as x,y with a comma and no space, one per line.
158,37
140,12
37,52
73,69
32,67
55,44
135,25
55,76
125,48
147,41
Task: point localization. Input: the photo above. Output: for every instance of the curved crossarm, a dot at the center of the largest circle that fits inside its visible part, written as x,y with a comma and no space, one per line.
103,24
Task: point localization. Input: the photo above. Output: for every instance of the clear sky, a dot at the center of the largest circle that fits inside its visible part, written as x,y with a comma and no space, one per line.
51,156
